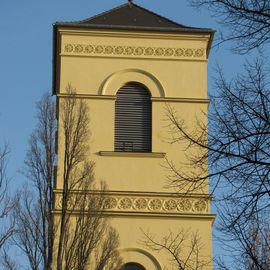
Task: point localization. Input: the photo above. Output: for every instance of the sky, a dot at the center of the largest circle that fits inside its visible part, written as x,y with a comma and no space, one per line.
26,58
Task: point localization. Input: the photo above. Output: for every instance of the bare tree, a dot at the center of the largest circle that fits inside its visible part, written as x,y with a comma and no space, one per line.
238,151
6,202
72,235
249,245
239,156
237,147
7,262
84,237
7,205
183,248
256,243
248,22
33,214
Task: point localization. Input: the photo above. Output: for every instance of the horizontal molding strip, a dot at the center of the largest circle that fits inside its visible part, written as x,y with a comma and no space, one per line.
132,154
147,203
135,34
210,217
137,58
183,100
145,193
154,99
133,51
86,96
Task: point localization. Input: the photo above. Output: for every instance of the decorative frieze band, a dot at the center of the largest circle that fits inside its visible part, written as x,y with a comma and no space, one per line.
152,204
133,51
165,205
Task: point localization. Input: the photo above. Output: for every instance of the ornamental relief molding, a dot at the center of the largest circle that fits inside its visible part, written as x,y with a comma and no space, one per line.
133,51
150,204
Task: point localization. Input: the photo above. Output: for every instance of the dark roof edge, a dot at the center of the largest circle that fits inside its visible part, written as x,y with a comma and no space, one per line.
180,25
123,5
54,45
209,46
100,14
143,28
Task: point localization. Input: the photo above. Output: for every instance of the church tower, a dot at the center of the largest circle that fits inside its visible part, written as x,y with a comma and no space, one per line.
129,64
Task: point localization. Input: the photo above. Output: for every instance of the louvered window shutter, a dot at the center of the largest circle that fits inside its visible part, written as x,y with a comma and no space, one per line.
133,119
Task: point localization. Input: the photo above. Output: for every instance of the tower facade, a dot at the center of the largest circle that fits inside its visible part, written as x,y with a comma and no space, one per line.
129,65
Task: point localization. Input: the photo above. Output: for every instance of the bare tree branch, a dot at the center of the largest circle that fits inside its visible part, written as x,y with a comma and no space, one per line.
33,215
249,242
7,262
248,22
7,203
184,249
238,154
82,235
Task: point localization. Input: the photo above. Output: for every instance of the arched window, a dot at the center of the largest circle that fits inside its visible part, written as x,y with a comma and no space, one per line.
133,266
133,119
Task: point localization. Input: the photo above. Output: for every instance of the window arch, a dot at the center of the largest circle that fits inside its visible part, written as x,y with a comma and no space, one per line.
133,119
133,266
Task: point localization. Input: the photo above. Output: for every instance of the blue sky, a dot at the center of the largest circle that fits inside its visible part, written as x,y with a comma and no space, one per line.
26,57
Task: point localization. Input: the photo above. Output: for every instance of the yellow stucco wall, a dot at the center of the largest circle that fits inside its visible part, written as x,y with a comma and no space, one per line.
174,68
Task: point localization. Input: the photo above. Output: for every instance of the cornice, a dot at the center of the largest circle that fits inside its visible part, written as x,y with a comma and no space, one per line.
134,34
143,193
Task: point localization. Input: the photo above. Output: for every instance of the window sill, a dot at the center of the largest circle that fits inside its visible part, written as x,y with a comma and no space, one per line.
132,154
